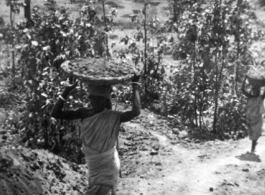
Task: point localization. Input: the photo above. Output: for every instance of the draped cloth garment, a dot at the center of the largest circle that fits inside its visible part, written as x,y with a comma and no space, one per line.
254,110
99,136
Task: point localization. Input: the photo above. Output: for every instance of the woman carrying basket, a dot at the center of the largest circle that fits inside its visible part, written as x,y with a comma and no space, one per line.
254,110
99,134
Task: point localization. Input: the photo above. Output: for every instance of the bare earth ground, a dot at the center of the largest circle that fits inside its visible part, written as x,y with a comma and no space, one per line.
152,164
211,167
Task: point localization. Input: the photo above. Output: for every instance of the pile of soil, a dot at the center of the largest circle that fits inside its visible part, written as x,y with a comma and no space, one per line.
256,76
256,73
98,67
38,172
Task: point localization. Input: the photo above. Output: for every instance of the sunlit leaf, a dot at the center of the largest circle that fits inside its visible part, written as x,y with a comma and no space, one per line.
34,43
44,95
46,48
63,33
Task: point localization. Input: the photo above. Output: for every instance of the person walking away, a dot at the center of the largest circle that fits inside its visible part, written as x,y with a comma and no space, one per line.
254,111
99,133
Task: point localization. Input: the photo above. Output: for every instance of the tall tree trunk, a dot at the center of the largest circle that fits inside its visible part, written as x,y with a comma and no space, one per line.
106,28
217,55
27,9
13,52
145,45
239,6
216,96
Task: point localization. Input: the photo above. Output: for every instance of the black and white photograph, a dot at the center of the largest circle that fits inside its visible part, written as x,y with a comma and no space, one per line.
132,97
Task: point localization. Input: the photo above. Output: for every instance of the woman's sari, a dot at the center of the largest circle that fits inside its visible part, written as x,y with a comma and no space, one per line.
254,110
99,136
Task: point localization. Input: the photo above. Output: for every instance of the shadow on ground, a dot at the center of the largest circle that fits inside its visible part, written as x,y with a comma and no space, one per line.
249,157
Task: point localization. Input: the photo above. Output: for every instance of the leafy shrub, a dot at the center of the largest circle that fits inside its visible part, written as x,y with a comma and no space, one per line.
50,39
231,119
212,64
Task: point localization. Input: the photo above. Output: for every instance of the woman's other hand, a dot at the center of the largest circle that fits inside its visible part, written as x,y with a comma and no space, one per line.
71,85
136,77
244,82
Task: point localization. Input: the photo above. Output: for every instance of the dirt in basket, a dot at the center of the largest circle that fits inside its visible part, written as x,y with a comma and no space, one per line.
258,74
99,67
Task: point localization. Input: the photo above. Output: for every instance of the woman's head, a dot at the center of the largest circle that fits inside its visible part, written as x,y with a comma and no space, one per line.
100,90
100,97
99,103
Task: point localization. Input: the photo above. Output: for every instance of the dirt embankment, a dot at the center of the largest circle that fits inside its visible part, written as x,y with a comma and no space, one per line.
38,172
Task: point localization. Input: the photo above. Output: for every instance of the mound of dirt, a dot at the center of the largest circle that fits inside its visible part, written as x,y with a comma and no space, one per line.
98,67
257,73
38,172
256,76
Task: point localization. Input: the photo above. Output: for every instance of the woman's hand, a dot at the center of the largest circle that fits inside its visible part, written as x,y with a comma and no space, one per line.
136,77
71,85
244,83
136,107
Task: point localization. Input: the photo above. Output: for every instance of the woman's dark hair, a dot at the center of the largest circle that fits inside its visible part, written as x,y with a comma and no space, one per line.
108,102
255,88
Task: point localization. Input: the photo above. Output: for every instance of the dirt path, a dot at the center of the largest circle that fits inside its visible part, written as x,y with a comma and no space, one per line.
214,167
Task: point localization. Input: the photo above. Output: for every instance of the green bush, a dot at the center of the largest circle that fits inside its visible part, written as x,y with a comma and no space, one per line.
50,39
213,64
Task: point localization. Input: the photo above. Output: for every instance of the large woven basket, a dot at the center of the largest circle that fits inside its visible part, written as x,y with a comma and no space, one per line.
255,82
256,76
99,71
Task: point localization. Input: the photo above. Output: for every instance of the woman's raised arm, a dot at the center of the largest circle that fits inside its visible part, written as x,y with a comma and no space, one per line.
58,113
136,107
248,95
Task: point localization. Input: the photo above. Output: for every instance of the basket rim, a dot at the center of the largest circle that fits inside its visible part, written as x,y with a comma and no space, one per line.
256,82
98,79
255,79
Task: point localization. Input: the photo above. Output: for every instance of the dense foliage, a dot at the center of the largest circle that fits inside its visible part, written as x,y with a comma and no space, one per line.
213,48
43,44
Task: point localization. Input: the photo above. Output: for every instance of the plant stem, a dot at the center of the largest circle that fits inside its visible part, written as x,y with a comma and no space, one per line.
216,76
106,26
145,46
239,3
27,10
13,53
194,81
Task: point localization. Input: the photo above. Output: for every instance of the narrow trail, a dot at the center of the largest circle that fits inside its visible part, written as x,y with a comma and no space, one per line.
214,167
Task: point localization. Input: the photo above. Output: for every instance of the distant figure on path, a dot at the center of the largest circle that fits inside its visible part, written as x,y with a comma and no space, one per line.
99,133
254,111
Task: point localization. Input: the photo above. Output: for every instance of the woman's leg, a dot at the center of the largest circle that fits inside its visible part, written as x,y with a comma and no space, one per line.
104,190
100,190
253,146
